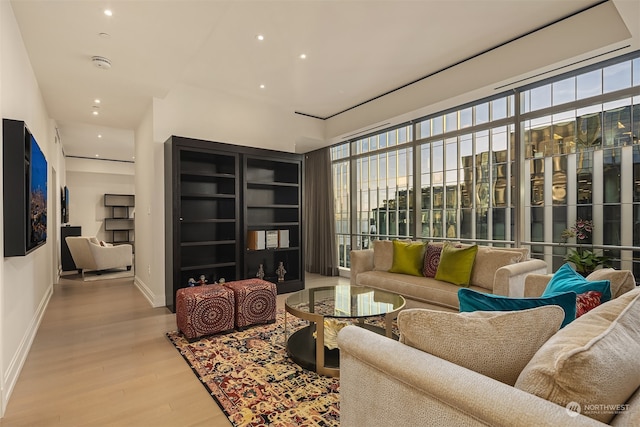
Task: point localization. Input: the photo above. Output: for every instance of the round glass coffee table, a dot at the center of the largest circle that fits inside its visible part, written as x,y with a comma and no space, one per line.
329,308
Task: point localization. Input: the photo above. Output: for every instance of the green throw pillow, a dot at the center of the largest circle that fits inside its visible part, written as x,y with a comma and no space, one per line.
456,264
407,257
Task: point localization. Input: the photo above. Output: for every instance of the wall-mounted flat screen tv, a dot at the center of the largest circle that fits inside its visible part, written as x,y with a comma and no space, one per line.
37,224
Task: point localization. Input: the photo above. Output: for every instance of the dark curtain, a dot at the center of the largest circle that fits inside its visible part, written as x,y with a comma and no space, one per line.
319,227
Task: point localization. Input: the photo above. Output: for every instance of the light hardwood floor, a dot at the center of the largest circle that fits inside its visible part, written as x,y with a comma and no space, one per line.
100,358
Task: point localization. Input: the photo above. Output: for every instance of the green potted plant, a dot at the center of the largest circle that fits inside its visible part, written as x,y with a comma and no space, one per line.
584,260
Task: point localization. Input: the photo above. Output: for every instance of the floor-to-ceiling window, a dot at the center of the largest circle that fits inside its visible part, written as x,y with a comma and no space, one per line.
514,169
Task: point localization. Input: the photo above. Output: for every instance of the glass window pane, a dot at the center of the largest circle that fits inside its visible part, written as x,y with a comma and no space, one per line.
382,140
452,224
466,118
564,91
585,177
589,84
437,159
437,125
636,179
499,109
452,154
451,122
424,129
499,224
617,127
611,175
636,72
564,137
466,223
616,77
559,180
589,131
482,224
537,181
482,113
540,97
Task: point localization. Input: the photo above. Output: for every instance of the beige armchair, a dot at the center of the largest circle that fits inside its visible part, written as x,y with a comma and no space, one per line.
89,255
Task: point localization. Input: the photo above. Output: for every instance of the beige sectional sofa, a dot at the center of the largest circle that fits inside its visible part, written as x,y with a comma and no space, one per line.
586,374
496,270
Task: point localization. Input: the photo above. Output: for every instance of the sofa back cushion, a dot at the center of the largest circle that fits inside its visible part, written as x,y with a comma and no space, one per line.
382,255
489,260
620,281
593,361
495,344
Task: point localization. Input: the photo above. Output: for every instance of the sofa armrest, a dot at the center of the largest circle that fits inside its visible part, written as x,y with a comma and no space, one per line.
535,284
509,280
361,260
386,383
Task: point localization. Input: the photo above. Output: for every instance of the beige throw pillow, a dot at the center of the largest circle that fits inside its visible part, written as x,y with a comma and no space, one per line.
497,344
382,255
592,361
488,260
621,280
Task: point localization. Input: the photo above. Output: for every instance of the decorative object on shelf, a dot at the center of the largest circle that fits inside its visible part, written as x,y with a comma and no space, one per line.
260,273
281,272
191,282
221,281
331,329
584,260
203,280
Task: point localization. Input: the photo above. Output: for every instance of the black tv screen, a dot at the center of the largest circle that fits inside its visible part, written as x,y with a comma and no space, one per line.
37,223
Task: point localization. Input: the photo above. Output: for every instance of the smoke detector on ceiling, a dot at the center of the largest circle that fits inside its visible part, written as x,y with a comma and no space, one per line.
101,62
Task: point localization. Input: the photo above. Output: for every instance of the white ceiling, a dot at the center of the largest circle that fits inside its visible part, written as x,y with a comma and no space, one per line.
356,51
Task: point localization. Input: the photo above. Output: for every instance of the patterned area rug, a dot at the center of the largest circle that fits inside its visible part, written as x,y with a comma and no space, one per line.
252,379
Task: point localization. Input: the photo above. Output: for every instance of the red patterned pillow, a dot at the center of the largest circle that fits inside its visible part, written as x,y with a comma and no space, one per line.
587,301
431,260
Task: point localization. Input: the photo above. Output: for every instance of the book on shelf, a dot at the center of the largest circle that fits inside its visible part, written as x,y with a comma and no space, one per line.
283,238
255,240
271,239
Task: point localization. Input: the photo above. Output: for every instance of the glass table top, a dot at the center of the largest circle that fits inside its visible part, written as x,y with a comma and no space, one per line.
345,301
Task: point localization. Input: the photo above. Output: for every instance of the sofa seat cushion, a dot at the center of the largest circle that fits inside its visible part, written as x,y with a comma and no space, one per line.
593,361
496,344
423,289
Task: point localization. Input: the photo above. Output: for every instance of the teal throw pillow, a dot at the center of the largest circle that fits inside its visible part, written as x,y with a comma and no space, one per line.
471,300
567,279
407,257
456,264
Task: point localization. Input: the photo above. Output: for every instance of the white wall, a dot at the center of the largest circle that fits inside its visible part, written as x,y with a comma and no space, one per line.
88,181
26,283
149,222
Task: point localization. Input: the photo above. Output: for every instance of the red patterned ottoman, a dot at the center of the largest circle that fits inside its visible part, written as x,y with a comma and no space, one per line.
255,301
204,310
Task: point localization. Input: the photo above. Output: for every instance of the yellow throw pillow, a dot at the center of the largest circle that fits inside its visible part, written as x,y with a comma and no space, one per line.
456,264
407,257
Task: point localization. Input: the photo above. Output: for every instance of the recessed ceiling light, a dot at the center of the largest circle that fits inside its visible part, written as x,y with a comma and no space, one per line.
260,37
97,101
262,86
99,136
108,12
97,155
303,56
95,113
